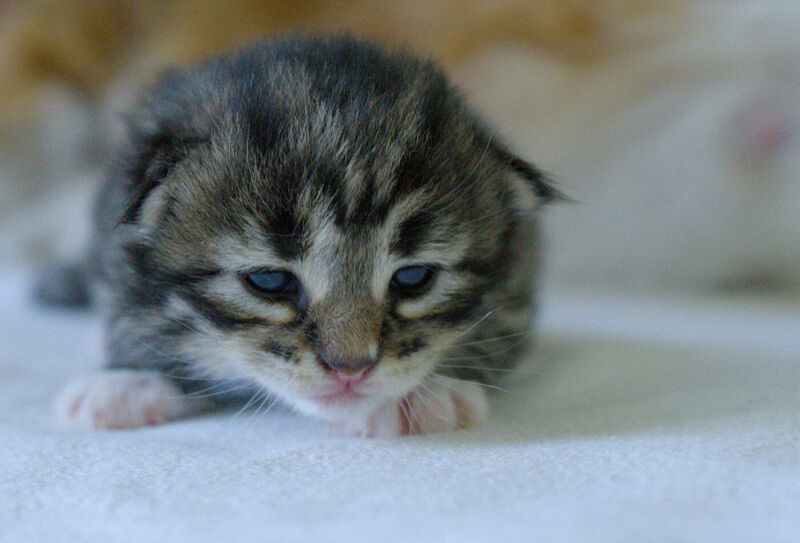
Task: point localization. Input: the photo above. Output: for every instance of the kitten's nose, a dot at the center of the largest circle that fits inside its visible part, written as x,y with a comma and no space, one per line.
348,369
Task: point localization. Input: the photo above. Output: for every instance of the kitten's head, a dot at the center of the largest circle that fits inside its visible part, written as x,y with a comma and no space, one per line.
324,218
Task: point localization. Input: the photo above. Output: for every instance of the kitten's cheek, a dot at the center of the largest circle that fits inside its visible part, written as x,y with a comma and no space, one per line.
411,309
279,314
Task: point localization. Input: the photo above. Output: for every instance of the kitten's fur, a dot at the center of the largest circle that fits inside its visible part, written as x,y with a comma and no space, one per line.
340,163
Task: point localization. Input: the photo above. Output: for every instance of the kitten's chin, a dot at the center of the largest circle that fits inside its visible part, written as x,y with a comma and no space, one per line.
338,407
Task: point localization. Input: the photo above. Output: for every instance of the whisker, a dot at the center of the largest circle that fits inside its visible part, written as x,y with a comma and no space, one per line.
483,318
485,385
165,355
447,385
420,425
494,387
406,413
180,322
208,388
413,415
427,405
269,407
199,396
485,355
184,378
490,340
252,399
255,412
201,393
483,368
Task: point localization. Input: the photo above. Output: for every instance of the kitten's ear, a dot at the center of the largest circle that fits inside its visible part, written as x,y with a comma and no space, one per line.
534,179
161,129
153,155
531,186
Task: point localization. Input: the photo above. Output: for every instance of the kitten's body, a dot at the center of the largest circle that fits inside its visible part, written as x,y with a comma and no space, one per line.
333,164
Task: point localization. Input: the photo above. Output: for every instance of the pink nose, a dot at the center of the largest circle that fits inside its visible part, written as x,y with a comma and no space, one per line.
353,369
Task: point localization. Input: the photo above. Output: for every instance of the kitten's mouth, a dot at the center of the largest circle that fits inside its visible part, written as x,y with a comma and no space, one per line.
344,396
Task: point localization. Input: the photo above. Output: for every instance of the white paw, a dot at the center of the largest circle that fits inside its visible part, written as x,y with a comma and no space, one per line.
439,404
118,399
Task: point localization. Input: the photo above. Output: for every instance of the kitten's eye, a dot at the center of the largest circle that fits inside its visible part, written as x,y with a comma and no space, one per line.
272,282
412,279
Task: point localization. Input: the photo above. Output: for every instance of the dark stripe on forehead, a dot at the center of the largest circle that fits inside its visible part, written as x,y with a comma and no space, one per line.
361,211
329,180
415,168
367,211
413,172
275,205
411,233
265,123
287,233
433,110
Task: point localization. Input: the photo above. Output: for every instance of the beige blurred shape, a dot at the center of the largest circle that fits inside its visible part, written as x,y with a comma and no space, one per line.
85,45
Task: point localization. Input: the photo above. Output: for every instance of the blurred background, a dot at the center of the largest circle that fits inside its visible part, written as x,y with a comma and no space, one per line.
662,401
673,124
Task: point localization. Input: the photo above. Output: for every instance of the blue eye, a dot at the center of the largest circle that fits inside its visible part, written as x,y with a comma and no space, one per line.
412,278
272,282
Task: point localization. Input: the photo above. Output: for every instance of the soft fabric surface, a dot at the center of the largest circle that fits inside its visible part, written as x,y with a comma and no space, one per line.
636,420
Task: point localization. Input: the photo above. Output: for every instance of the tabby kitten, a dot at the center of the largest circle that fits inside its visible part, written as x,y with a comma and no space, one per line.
316,220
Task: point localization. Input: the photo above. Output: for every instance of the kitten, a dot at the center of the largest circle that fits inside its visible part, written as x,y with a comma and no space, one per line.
318,220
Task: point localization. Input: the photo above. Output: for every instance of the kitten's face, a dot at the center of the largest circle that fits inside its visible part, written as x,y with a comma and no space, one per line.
370,278
331,251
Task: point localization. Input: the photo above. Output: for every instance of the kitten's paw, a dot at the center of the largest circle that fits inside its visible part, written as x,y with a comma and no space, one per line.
439,404
120,399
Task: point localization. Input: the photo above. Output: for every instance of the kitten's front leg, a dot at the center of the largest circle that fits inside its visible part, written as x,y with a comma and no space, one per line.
122,399
438,404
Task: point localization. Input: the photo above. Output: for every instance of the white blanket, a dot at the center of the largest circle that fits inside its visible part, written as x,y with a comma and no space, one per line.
646,420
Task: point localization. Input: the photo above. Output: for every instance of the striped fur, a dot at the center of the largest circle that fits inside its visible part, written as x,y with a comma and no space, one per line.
341,163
